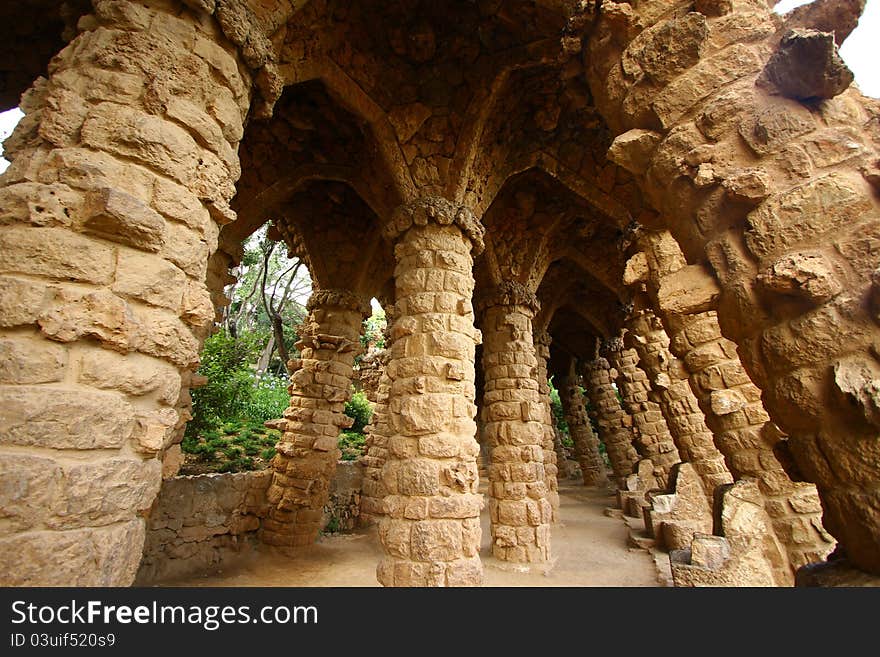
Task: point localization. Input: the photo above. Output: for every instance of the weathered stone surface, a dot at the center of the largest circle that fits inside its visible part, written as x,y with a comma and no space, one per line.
120,217
807,66
55,253
100,556
100,315
24,360
105,492
64,418
809,276
633,150
689,290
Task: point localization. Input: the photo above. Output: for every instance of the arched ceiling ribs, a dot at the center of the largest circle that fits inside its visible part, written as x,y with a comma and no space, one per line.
577,184
568,284
467,147
349,94
262,206
329,224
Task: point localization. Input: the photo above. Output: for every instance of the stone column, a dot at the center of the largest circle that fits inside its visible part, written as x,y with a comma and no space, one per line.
554,455
431,530
685,296
651,435
728,137
520,510
375,453
122,169
585,441
744,434
671,390
615,425
308,449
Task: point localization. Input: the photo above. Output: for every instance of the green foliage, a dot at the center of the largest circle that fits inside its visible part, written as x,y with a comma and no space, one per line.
267,454
352,444
558,413
234,397
225,362
332,525
374,330
360,410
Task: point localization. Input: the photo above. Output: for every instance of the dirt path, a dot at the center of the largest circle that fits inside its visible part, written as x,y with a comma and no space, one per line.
589,548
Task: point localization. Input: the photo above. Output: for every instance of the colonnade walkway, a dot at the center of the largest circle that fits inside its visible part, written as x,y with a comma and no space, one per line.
589,549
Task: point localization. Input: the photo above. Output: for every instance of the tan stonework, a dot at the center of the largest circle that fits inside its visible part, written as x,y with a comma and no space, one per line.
615,425
514,422
431,530
552,463
320,385
121,172
651,436
671,390
160,134
586,444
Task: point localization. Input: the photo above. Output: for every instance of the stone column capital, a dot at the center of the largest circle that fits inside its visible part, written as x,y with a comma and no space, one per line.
542,338
345,299
435,209
611,345
509,293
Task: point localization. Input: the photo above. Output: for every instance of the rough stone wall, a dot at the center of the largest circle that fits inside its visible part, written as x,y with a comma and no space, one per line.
731,403
651,437
121,171
201,523
554,456
514,420
586,444
671,389
343,508
615,425
777,188
369,374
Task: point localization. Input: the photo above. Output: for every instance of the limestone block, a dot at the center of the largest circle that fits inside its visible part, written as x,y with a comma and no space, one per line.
807,275
55,253
133,374
149,278
29,486
93,556
633,150
105,492
100,315
21,301
807,66
64,418
124,218
859,381
709,551
725,402
667,49
689,290
39,204
25,360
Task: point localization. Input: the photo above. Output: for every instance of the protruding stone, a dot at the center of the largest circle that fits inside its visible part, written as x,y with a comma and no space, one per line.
633,150
807,66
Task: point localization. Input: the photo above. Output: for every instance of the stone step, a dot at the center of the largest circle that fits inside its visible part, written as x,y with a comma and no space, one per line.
638,540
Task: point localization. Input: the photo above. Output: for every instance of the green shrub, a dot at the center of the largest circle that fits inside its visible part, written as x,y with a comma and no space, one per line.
556,408
360,410
352,444
268,453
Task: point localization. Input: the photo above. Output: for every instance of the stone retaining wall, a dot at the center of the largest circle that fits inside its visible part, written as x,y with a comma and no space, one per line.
203,522
200,522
